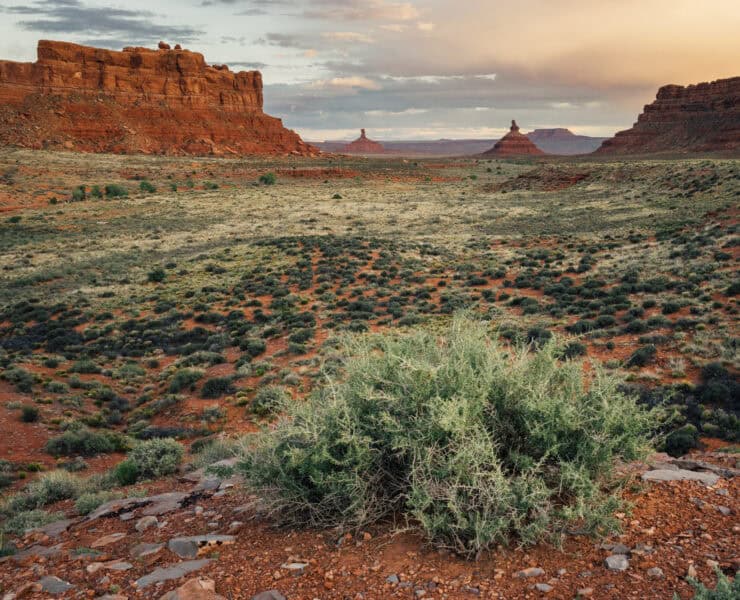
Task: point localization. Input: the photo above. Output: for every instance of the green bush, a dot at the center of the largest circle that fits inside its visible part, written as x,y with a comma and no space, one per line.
642,356
156,275
89,501
29,519
269,400
679,441
113,190
147,187
78,194
217,387
29,413
52,487
184,379
476,444
268,179
726,588
156,458
125,472
86,442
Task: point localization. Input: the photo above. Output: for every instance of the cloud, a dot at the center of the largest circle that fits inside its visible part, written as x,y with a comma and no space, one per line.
329,10
426,26
348,36
103,26
346,83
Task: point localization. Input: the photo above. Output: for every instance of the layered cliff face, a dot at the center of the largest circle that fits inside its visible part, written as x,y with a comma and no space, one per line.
695,118
164,101
514,143
363,145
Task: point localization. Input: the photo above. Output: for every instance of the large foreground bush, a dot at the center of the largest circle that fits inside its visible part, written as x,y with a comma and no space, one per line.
476,444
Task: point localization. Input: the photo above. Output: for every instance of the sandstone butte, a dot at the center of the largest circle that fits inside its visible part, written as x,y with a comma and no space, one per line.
696,118
363,145
514,143
139,100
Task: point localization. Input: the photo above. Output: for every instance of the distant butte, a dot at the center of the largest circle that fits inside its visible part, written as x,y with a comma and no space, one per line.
514,143
363,145
139,100
696,118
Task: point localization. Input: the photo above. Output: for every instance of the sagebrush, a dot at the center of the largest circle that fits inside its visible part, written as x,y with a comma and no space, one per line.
477,444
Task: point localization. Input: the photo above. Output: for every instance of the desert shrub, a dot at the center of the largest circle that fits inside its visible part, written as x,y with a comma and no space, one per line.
125,472
670,307
156,275
29,519
268,179
216,450
475,445
29,413
574,349
86,442
156,458
184,379
22,379
52,487
84,366
679,441
210,185
268,400
113,190
726,588
642,356
253,346
89,501
78,194
147,187
217,387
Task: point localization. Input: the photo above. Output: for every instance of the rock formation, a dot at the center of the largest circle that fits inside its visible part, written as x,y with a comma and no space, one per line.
363,145
514,143
563,141
695,118
139,100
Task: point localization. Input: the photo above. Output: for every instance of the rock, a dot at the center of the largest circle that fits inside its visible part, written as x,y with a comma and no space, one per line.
194,589
37,551
725,510
269,595
543,587
617,562
165,503
680,475
192,546
696,118
620,549
106,540
363,145
514,143
145,523
112,597
118,565
54,586
585,593
150,98
530,572
32,587
56,529
295,568
172,572
142,550
691,572
655,573
392,579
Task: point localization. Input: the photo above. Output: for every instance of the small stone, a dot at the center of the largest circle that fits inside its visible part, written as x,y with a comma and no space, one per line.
172,572
269,595
146,523
54,586
194,589
725,510
620,549
617,562
585,593
93,568
655,573
562,572
543,587
107,540
712,564
530,572
392,579
691,572
142,550
119,565
295,568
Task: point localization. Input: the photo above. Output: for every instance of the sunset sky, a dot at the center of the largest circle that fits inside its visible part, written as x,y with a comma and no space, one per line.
421,69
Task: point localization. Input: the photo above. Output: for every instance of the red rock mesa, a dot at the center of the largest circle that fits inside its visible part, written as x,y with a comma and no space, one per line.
514,143
139,100
363,145
695,118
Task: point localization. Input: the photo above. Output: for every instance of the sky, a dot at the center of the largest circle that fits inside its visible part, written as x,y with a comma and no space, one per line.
420,69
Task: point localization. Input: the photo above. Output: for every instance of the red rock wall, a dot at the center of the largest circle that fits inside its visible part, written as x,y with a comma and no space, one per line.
138,100
695,118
